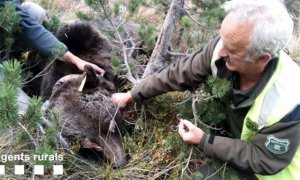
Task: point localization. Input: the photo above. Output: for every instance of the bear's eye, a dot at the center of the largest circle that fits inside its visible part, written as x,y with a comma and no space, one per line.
58,84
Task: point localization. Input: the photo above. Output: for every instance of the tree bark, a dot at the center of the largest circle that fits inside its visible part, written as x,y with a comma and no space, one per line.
157,59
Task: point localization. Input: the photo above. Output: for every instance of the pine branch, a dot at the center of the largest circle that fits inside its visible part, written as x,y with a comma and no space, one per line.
125,55
193,19
34,142
196,118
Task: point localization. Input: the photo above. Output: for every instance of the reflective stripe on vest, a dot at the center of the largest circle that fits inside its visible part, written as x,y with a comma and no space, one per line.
279,97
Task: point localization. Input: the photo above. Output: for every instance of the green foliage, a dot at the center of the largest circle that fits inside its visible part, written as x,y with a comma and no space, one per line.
214,16
34,114
116,9
83,16
100,5
9,25
186,22
186,110
51,133
133,5
175,144
44,151
8,107
218,87
21,140
121,28
51,137
147,33
110,32
212,112
12,73
212,13
93,4
212,109
196,176
52,24
189,39
162,109
117,65
141,58
8,93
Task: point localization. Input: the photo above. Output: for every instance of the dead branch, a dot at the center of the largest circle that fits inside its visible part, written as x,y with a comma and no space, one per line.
177,53
42,73
187,163
160,52
193,19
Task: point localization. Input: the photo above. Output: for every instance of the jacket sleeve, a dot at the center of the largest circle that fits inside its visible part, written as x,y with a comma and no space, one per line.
35,35
182,75
256,157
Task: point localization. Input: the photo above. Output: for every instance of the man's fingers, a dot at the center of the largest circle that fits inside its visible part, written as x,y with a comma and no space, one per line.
118,98
99,70
188,124
181,130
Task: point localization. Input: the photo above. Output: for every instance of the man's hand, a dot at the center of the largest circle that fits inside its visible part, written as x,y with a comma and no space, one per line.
189,133
71,58
122,99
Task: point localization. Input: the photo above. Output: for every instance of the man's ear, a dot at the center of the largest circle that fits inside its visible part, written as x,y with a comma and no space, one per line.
264,59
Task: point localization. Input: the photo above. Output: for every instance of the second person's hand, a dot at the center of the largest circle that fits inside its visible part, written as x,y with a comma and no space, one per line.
122,99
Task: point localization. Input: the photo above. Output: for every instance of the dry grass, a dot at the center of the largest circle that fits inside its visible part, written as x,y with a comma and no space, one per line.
146,15
65,9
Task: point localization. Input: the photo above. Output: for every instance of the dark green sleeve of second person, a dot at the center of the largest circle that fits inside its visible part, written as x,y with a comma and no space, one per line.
256,157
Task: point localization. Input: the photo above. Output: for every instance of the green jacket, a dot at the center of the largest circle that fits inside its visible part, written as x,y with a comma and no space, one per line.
253,156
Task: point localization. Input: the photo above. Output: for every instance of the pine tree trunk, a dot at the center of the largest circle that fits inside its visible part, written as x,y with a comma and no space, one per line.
157,59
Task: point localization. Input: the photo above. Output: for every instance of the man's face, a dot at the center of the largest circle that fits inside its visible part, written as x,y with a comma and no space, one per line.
235,37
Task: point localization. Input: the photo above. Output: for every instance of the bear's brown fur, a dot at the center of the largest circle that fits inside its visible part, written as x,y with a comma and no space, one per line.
86,43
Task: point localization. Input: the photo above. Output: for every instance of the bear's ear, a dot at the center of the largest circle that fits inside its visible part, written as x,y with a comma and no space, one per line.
92,79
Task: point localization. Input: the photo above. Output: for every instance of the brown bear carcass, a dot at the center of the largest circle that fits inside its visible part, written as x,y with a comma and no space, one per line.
87,114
